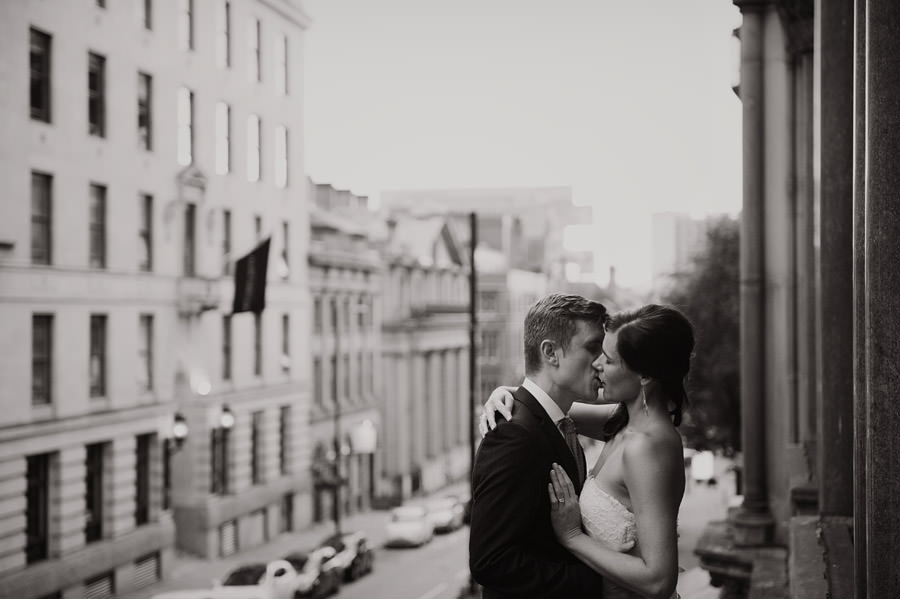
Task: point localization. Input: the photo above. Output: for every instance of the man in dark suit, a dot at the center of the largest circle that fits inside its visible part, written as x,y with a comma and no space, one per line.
512,549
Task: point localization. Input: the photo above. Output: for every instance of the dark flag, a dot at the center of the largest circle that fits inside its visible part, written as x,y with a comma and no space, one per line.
250,280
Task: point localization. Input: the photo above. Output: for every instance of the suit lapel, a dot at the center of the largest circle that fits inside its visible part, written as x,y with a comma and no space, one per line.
562,453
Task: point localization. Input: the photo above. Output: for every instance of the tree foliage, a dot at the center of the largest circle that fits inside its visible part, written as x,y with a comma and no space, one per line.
709,295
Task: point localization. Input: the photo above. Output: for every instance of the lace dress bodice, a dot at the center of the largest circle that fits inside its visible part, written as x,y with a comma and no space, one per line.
608,521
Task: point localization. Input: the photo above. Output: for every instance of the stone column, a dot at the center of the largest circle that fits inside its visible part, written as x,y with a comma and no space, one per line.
879,285
834,266
753,523
435,398
417,423
119,496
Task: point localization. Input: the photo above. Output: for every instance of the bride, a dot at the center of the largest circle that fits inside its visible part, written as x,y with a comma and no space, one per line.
624,524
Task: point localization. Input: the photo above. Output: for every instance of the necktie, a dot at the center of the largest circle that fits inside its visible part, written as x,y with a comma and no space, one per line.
567,426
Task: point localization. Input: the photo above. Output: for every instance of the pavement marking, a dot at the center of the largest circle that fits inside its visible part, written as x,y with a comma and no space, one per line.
434,592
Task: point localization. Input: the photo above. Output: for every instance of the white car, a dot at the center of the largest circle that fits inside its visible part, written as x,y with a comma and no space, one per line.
409,526
445,514
288,578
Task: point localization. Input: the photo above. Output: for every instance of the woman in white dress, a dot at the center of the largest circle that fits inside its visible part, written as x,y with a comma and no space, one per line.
624,525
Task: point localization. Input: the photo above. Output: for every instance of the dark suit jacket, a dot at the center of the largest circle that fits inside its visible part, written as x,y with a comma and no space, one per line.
512,549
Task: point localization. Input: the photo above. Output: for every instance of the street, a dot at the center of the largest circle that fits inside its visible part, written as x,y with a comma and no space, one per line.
435,571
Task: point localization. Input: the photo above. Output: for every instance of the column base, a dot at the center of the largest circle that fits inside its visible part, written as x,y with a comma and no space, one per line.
752,529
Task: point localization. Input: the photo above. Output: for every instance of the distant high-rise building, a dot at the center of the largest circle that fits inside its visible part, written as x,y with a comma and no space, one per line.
677,238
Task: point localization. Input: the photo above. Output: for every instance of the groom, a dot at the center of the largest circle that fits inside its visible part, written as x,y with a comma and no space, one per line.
512,549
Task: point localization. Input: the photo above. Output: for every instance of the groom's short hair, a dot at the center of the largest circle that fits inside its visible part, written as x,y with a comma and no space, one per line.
553,317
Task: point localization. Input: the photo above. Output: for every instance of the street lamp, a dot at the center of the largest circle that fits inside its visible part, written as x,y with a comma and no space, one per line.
226,418
180,430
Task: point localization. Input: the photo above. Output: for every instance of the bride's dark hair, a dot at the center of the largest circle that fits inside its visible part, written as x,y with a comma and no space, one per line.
657,342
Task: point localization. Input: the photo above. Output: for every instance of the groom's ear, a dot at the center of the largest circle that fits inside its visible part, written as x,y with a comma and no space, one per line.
548,352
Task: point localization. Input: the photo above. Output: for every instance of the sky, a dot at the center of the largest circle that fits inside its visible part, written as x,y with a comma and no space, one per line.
629,103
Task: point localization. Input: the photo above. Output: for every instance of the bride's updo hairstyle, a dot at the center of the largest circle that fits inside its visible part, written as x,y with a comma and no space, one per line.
656,342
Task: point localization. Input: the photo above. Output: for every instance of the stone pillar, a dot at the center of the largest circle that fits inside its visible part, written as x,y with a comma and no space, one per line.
465,420
67,514
879,285
434,398
834,266
13,483
451,399
119,495
417,422
753,523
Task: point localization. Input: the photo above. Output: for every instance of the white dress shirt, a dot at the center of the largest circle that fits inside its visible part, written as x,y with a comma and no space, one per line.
553,411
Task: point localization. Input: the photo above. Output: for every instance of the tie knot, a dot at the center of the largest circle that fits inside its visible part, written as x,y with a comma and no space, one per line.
566,425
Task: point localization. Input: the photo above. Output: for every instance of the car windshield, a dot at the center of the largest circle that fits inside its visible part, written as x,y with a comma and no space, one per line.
298,560
246,575
407,514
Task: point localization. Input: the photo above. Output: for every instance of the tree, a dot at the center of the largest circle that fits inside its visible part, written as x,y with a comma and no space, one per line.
709,296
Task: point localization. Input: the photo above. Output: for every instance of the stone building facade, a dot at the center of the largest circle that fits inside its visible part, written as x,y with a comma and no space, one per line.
425,336
345,278
137,168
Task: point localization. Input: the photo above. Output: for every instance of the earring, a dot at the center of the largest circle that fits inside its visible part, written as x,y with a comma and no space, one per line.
644,400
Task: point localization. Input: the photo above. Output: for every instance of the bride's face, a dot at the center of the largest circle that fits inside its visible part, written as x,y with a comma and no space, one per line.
618,383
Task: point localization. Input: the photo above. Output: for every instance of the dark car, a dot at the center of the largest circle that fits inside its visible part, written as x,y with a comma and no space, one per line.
323,576
353,553
245,575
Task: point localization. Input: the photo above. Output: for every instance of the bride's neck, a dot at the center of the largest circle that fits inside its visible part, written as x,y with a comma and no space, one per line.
639,415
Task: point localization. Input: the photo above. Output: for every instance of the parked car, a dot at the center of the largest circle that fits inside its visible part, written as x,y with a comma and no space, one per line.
321,573
353,554
278,579
446,513
409,526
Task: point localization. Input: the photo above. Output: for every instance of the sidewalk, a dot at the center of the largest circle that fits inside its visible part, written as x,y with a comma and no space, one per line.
192,572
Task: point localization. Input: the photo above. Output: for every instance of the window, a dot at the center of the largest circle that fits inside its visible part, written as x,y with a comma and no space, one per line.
285,249
334,379
226,347
253,148
488,301
144,12
186,24
93,526
361,376
190,225
223,138
219,453
97,360
256,465
98,226
144,110
281,156
185,126
40,75
226,242
41,218
281,65
318,391
145,233
490,343
257,345
285,343
287,513
100,3
257,227
284,431
145,353
362,311
346,377
317,315
334,316
96,95
41,359
223,34
37,507
254,62
143,446
167,474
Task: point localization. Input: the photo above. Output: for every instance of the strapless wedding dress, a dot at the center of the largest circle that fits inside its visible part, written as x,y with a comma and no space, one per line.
608,521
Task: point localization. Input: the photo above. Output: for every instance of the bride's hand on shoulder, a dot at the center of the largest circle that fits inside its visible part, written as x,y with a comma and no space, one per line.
500,401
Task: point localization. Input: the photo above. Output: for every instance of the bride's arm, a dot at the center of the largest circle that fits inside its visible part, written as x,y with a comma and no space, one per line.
590,418
655,482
